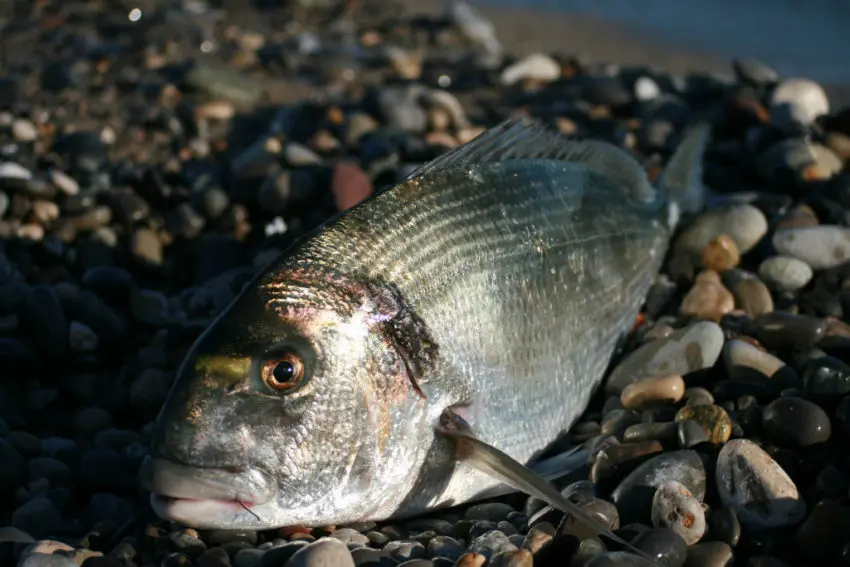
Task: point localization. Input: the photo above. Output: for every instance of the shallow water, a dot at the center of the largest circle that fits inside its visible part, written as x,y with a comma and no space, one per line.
808,38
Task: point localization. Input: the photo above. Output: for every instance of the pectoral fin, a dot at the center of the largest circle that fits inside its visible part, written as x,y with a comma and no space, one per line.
490,460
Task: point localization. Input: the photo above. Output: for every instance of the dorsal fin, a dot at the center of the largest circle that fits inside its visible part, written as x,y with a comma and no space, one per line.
527,138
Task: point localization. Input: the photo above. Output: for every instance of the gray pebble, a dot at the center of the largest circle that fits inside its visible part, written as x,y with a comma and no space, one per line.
692,348
785,273
633,496
710,554
754,72
797,101
536,66
754,485
675,508
490,511
348,535
821,247
742,358
324,552
39,517
44,560
491,543
619,559
445,546
744,223
794,422
404,550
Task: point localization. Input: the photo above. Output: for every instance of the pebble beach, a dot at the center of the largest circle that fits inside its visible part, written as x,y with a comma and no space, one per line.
155,156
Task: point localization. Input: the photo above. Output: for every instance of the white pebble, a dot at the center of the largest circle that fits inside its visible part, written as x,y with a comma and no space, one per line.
537,66
821,247
797,101
646,89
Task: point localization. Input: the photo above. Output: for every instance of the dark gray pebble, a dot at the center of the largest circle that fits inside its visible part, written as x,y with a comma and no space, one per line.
633,496
780,330
248,558
795,422
824,533
723,526
45,560
445,546
619,559
39,517
710,554
663,545
827,376
404,550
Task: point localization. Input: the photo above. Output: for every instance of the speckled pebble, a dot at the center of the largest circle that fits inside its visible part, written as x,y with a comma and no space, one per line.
675,508
754,485
785,273
686,350
821,247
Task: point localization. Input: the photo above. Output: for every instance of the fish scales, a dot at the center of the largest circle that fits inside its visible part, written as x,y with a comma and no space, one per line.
526,325
496,280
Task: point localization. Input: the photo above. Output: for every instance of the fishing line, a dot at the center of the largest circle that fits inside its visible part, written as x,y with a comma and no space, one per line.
249,510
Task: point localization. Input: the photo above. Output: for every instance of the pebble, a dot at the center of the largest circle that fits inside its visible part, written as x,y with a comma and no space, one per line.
742,359
824,533
744,224
534,67
634,500
751,295
781,330
664,545
794,422
686,350
713,420
752,484
649,391
721,254
797,101
675,508
821,247
349,185
723,525
827,376
785,273
710,554
324,552
708,298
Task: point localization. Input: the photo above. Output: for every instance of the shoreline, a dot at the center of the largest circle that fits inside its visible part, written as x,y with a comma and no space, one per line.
528,29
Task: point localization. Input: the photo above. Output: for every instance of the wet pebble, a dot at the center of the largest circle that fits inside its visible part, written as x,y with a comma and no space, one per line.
686,350
663,545
797,101
674,507
710,554
324,552
821,247
782,330
744,224
794,422
653,390
760,492
785,273
708,298
633,496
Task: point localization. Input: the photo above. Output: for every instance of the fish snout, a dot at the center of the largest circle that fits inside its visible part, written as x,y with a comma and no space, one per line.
177,481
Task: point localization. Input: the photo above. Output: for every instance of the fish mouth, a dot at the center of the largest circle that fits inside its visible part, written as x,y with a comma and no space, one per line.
199,495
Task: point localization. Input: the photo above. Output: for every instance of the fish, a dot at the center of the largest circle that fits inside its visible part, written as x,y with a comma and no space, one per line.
422,349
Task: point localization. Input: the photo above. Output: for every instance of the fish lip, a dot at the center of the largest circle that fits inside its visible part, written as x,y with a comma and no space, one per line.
171,481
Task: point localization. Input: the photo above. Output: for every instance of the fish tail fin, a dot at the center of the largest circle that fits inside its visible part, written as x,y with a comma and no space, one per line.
681,181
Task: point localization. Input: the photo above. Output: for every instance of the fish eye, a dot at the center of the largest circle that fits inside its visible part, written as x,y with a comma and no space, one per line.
284,372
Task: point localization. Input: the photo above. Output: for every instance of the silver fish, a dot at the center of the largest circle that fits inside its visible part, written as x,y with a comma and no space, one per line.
420,349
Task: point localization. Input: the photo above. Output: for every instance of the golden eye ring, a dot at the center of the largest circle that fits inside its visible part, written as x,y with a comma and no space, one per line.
283,373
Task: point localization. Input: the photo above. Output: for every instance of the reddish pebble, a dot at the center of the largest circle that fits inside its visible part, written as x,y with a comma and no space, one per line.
349,185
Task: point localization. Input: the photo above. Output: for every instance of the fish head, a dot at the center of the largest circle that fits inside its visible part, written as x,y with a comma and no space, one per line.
299,405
